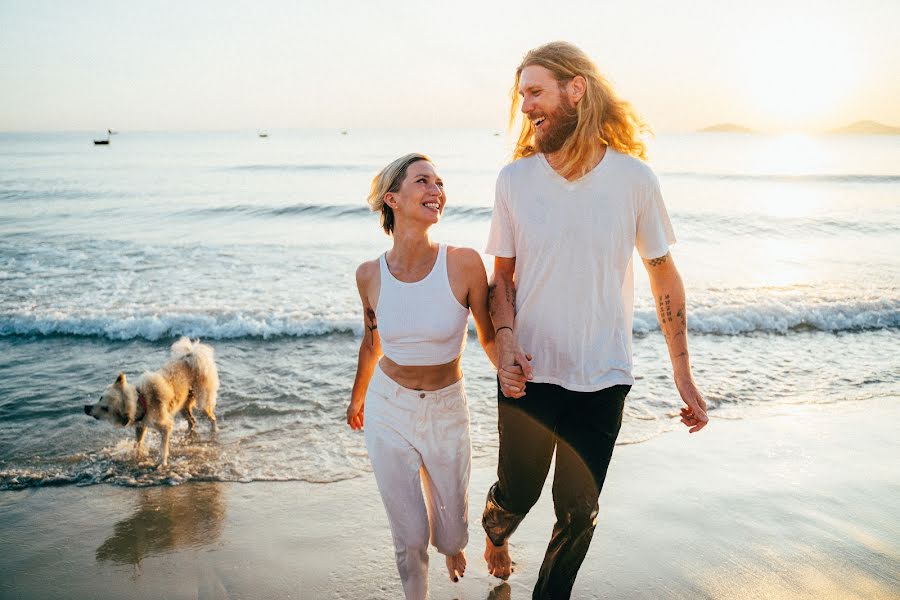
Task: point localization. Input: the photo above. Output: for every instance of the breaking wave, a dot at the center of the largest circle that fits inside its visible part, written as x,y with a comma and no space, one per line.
782,316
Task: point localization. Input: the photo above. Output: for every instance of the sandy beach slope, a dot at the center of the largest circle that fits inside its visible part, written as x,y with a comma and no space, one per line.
800,503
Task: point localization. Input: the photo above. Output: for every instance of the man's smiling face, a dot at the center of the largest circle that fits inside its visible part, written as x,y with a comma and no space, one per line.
546,103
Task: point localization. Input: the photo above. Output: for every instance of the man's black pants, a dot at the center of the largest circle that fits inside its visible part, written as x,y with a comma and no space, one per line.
582,427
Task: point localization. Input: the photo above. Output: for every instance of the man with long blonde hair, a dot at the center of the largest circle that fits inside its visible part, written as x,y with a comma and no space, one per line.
570,209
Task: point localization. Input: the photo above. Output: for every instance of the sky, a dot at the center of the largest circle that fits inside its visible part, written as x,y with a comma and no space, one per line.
218,65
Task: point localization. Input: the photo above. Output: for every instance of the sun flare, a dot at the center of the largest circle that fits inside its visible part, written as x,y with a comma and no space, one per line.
798,74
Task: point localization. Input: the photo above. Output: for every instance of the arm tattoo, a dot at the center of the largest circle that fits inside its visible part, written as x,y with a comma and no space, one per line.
667,322
655,262
492,302
682,320
511,296
664,310
372,325
509,292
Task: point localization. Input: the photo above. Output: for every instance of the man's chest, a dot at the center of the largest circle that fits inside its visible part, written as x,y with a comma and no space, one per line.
600,223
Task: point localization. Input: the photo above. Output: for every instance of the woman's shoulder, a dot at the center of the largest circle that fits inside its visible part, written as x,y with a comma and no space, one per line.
464,258
463,254
368,271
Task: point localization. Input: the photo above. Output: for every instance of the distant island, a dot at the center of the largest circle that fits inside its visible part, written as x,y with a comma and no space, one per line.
868,128
726,128
858,128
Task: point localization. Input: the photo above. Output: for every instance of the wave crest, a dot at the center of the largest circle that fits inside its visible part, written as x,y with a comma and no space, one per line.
765,316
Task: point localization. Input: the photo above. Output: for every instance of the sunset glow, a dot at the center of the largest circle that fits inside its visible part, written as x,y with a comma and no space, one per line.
799,73
769,66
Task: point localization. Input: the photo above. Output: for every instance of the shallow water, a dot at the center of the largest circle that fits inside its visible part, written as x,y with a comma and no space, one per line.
107,254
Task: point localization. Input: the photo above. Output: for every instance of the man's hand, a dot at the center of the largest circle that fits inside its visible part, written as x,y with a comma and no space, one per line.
515,365
694,414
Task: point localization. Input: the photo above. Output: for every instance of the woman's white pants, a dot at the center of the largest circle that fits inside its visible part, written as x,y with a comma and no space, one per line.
418,441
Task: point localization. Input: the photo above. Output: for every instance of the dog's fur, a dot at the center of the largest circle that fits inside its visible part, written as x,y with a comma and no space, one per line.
189,379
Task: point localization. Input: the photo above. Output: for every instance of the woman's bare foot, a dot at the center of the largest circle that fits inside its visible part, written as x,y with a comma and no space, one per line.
456,565
498,561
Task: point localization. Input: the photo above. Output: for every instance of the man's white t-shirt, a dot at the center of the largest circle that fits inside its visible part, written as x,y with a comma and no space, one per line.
573,242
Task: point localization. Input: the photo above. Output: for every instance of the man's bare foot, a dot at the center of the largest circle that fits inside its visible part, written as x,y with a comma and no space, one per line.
497,557
456,566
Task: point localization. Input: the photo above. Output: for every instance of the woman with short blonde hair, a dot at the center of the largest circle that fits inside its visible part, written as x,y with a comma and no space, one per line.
409,392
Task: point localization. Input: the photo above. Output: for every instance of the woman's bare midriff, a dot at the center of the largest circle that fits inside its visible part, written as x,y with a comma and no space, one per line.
426,378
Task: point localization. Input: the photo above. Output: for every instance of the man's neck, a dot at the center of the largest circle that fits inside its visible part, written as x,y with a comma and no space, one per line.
554,160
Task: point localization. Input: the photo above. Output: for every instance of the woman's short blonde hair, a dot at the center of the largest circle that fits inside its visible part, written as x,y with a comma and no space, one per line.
389,180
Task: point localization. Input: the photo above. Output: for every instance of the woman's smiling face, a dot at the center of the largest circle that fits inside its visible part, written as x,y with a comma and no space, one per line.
421,195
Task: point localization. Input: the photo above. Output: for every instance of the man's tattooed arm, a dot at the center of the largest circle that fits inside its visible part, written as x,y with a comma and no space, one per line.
671,308
502,304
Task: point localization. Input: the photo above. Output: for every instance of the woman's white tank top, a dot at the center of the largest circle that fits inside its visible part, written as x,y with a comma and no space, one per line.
421,323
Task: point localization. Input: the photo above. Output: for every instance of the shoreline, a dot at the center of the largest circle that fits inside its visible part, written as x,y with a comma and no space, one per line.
796,504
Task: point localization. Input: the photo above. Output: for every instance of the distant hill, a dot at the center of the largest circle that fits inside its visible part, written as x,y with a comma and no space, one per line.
726,128
868,128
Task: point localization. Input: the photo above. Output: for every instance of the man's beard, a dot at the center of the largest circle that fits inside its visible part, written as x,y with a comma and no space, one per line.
558,127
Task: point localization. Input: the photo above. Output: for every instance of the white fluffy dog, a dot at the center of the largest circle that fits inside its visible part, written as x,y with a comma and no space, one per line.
189,379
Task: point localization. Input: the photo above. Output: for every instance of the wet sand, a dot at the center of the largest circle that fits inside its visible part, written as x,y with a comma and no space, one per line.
801,503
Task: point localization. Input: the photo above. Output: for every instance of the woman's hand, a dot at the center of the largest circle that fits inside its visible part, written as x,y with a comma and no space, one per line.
356,413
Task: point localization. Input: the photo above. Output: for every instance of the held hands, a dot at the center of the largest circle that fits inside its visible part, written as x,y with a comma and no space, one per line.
356,413
694,414
515,366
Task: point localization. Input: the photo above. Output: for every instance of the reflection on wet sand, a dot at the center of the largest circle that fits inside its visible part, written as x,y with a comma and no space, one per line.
166,519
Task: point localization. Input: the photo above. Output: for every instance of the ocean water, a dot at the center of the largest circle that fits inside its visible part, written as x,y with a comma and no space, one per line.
788,247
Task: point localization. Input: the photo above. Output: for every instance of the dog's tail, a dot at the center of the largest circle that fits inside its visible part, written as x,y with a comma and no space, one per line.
203,364
183,347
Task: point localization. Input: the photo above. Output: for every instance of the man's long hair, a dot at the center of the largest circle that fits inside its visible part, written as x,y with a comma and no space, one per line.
603,118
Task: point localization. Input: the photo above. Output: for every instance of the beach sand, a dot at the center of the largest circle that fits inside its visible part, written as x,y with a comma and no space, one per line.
799,503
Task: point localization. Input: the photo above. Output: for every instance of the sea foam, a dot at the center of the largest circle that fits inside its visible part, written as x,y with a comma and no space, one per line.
766,316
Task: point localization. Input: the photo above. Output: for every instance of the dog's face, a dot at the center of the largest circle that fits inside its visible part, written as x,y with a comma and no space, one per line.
113,404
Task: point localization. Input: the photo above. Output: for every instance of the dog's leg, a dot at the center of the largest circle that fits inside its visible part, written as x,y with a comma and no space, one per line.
208,402
212,420
187,411
166,431
208,411
139,431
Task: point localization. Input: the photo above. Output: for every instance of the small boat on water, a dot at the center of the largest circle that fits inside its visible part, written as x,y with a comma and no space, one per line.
262,133
105,142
